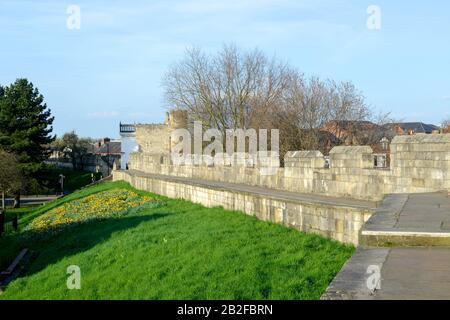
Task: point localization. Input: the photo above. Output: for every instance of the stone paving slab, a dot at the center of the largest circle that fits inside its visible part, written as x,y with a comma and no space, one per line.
351,282
416,274
405,274
410,220
387,214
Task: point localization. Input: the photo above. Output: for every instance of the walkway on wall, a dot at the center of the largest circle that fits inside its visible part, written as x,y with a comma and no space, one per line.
268,193
410,220
406,249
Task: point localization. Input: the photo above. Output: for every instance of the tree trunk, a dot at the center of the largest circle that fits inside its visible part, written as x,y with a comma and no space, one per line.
3,201
81,163
74,163
17,200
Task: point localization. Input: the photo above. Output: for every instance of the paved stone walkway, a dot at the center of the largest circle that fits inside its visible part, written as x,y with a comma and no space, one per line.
269,193
403,273
416,274
410,220
415,262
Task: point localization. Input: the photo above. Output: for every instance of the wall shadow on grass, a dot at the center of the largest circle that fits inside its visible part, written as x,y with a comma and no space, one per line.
76,239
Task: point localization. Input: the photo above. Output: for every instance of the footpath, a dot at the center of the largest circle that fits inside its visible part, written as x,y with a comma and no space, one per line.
404,252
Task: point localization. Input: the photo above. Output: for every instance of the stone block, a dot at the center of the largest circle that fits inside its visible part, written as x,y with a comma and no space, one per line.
304,159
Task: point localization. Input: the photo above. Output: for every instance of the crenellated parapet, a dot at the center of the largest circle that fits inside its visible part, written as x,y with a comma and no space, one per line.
304,159
420,163
351,157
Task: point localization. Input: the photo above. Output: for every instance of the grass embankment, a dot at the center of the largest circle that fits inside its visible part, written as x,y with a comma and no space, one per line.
11,244
176,251
73,179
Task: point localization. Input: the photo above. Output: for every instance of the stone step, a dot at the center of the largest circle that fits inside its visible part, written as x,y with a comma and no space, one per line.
372,238
409,220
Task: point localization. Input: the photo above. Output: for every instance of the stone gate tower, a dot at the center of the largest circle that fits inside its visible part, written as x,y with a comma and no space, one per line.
176,119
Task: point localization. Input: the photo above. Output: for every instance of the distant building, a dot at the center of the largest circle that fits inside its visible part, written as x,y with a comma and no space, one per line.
107,152
358,133
410,128
128,143
100,157
368,133
352,132
107,147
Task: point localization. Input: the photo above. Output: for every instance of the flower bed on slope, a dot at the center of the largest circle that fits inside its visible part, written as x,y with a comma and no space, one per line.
96,207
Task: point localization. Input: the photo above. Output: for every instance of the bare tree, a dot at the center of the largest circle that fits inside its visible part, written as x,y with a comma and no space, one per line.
246,89
311,105
445,125
228,90
11,179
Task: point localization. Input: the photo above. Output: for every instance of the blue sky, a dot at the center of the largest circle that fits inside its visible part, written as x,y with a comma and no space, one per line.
110,70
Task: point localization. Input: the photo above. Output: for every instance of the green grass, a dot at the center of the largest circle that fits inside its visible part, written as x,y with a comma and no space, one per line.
27,214
178,251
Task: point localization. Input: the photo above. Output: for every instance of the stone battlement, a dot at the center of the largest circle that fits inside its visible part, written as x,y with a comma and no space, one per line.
419,163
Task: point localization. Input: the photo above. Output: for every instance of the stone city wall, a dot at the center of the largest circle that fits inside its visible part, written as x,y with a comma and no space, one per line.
419,163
